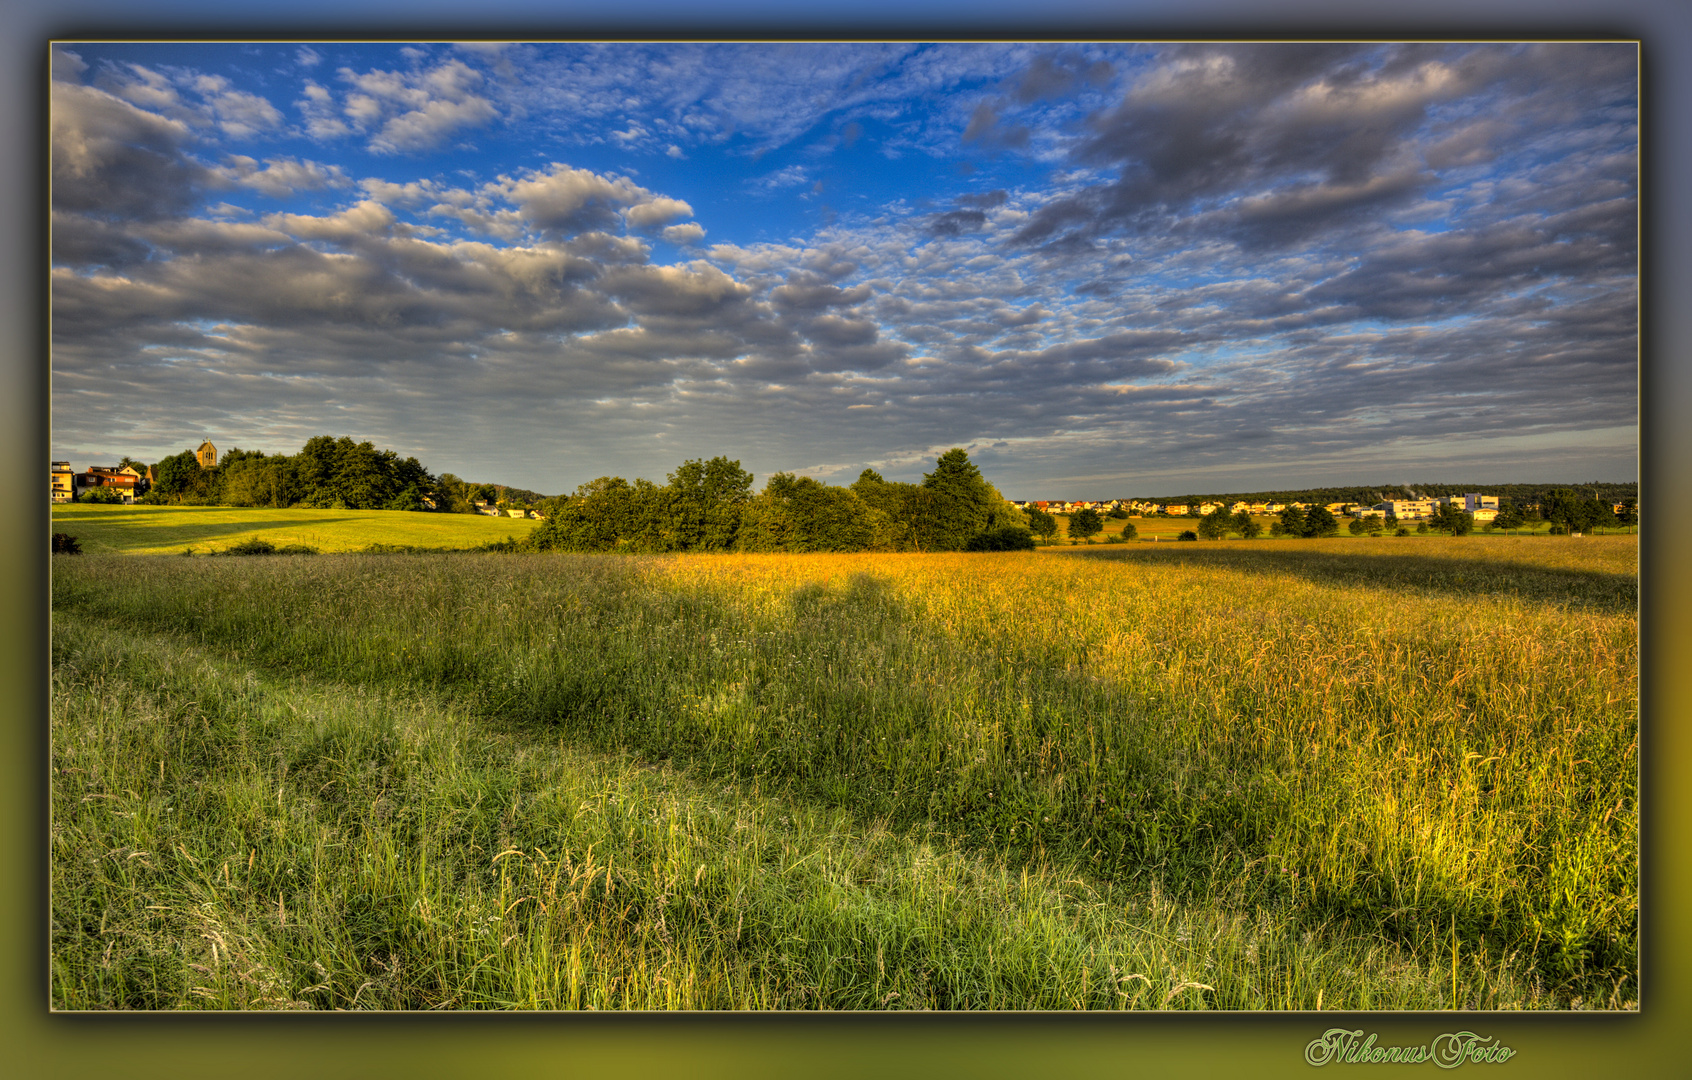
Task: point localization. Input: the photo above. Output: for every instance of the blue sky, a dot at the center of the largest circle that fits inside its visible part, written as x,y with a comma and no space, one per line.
1106,269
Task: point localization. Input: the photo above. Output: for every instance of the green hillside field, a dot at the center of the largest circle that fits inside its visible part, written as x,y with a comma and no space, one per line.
168,530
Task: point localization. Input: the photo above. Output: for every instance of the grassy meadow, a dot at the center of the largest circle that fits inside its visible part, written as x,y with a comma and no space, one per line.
1336,774
169,530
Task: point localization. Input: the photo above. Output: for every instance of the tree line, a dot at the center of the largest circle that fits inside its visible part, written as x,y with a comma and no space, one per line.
328,474
710,506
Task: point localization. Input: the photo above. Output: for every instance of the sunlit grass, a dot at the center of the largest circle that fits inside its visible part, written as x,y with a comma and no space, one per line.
158,530
1300,773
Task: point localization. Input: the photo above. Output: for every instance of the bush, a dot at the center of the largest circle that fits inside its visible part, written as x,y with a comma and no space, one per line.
1129,532
103,496
65,544
1188,535
1004,538
255,546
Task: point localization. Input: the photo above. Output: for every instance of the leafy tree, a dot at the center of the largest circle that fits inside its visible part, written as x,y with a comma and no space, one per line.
1246,525
1509,517
1216,524
1356,527
897,509
1085,524
1129,532
1447,517
1044,525
797,513
704,500
960,508
604,515
1292,521
1118,514
176,475
1629,514
1374,526
1319,521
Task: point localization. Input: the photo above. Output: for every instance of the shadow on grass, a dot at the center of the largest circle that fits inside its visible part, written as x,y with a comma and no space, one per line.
127,535
1401,571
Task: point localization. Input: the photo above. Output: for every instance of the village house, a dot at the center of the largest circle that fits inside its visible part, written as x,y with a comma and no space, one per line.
127,481
63,482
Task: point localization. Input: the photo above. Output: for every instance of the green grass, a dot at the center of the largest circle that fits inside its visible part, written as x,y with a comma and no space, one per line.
1340,774
158,530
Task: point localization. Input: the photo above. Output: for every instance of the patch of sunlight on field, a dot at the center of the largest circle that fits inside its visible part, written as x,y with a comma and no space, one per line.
167,530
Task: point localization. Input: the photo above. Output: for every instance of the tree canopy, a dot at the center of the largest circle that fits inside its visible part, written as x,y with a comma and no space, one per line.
709,506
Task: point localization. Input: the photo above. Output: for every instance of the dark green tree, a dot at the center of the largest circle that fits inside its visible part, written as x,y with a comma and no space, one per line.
897,509
1085,524
1217,524
1042,524
175,475
1320,521
797,513
1246,525
1292,520
704,503
1450,518
961,504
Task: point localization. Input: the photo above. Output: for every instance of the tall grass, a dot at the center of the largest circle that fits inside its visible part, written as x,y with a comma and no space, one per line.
1346,765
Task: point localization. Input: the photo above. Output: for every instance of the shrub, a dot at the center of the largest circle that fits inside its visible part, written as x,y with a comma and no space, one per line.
255,546
1004,538
65,544
1188,535
103,495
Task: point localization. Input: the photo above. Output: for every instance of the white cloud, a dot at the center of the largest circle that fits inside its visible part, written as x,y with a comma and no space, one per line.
684,235
656,211
412,111
792,176
282,177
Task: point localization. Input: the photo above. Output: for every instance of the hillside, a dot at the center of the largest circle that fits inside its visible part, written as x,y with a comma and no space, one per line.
168,530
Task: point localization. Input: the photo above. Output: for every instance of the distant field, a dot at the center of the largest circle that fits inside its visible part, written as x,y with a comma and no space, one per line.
1275,774
167,530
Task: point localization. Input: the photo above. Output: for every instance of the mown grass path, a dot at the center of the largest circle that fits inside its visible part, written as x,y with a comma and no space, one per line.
1283,776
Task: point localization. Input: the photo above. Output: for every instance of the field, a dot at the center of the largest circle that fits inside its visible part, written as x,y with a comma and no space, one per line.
168,530
1345,774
